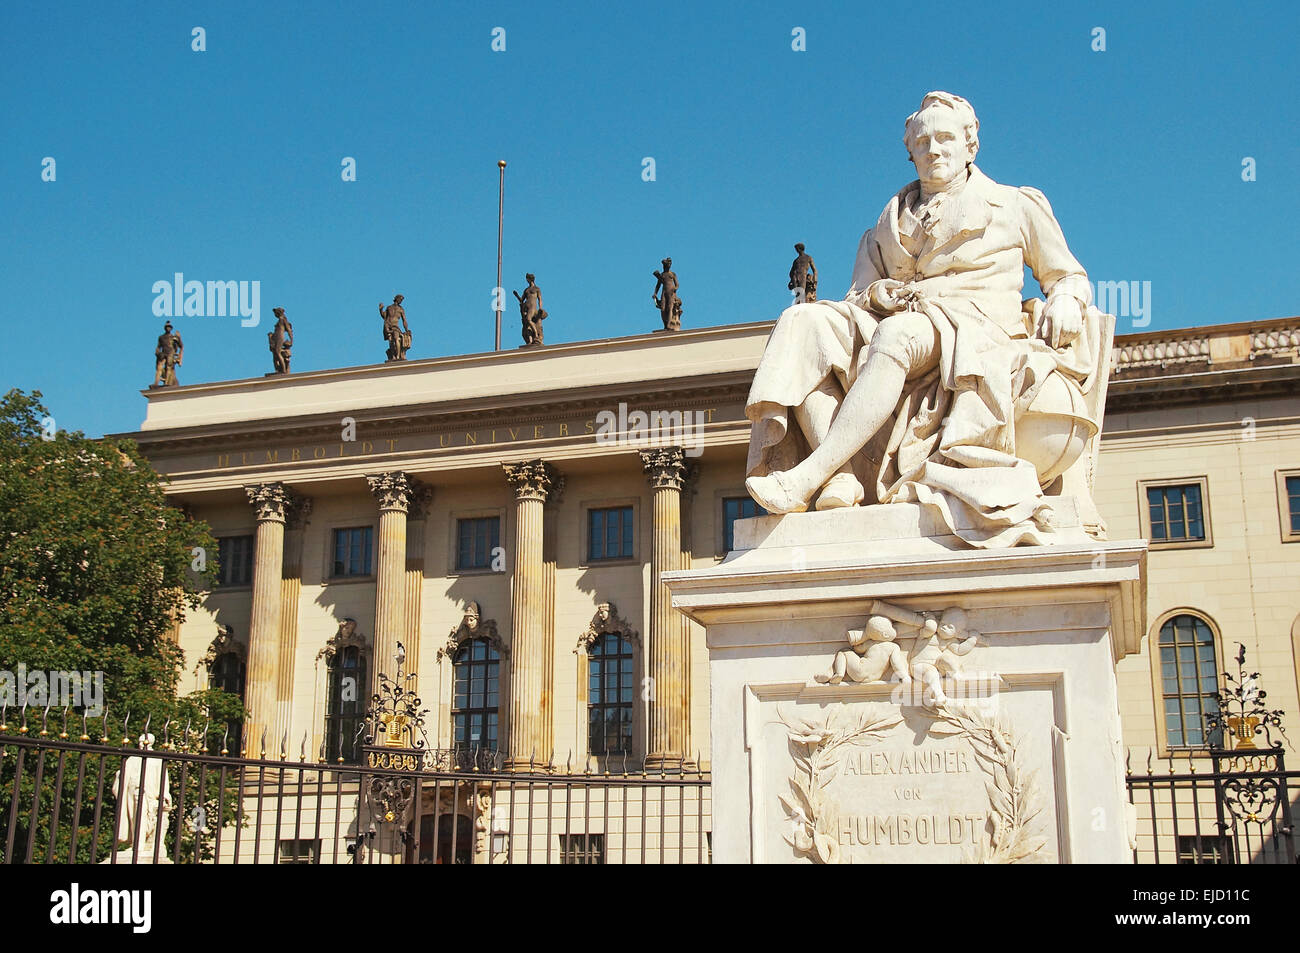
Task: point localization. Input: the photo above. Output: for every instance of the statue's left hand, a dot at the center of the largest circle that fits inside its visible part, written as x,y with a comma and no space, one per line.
1062,321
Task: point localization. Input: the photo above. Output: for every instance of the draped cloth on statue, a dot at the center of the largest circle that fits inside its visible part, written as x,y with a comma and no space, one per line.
951,446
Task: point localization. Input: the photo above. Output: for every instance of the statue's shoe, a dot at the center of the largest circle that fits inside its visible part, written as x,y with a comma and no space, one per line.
843,489
774,494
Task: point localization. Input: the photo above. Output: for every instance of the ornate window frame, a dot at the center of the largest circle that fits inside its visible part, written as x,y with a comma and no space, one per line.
607,620
347,635
485,629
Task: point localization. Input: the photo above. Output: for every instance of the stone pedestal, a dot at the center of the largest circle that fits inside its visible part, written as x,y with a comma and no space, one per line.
1009,752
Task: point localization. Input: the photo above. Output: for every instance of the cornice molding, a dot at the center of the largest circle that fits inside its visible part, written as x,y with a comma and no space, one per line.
476,413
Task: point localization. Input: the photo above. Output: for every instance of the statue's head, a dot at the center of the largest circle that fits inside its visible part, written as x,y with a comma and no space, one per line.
952,623
398,299
167,326
471,616
942,137
530,278
278,312
602,611
667,262
798,246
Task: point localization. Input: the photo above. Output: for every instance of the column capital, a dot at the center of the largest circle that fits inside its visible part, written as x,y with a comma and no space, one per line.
272,502
394,489
298,513
533,479
666,467
421,497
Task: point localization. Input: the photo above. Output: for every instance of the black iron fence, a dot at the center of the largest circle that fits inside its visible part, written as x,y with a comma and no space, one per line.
1232,807
65,799
68,799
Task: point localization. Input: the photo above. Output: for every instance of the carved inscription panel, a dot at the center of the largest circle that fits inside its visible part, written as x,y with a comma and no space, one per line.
840,777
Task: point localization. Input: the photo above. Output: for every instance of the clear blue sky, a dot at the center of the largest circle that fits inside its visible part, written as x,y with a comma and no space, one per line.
225,164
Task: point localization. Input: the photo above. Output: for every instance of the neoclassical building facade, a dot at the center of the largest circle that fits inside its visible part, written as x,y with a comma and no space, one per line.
506,516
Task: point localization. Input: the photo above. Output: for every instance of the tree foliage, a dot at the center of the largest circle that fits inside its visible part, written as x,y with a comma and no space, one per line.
93,562
95,568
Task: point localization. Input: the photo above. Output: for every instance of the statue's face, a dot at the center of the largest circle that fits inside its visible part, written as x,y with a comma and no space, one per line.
471,621
603,611
938,146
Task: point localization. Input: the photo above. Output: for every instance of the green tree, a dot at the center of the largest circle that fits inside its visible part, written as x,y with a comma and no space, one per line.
95,566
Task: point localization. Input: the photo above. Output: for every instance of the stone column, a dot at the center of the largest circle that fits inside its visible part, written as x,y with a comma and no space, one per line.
270,501
416,521
296,517
669,663
531,696
393,490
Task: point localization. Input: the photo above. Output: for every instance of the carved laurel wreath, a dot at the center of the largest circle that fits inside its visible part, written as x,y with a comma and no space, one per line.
818,750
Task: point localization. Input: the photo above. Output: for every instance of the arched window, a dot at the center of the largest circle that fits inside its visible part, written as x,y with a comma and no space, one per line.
1189,677
346,703
610,666
227,674
474,707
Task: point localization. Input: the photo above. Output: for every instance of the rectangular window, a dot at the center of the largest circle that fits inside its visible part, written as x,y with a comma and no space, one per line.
1194,849
736,508
1293,502
235,561
1176,514
476,539
610,533
299,851
353,551
582,848
1288,493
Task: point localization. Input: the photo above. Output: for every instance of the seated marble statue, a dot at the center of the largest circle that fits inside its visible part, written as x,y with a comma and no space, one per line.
932,382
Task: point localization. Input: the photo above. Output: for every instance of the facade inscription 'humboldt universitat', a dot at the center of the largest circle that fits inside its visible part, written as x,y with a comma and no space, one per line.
597,427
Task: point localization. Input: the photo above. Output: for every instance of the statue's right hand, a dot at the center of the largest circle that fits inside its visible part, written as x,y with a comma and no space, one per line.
883,296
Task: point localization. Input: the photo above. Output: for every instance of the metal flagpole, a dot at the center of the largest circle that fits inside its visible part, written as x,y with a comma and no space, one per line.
501,213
